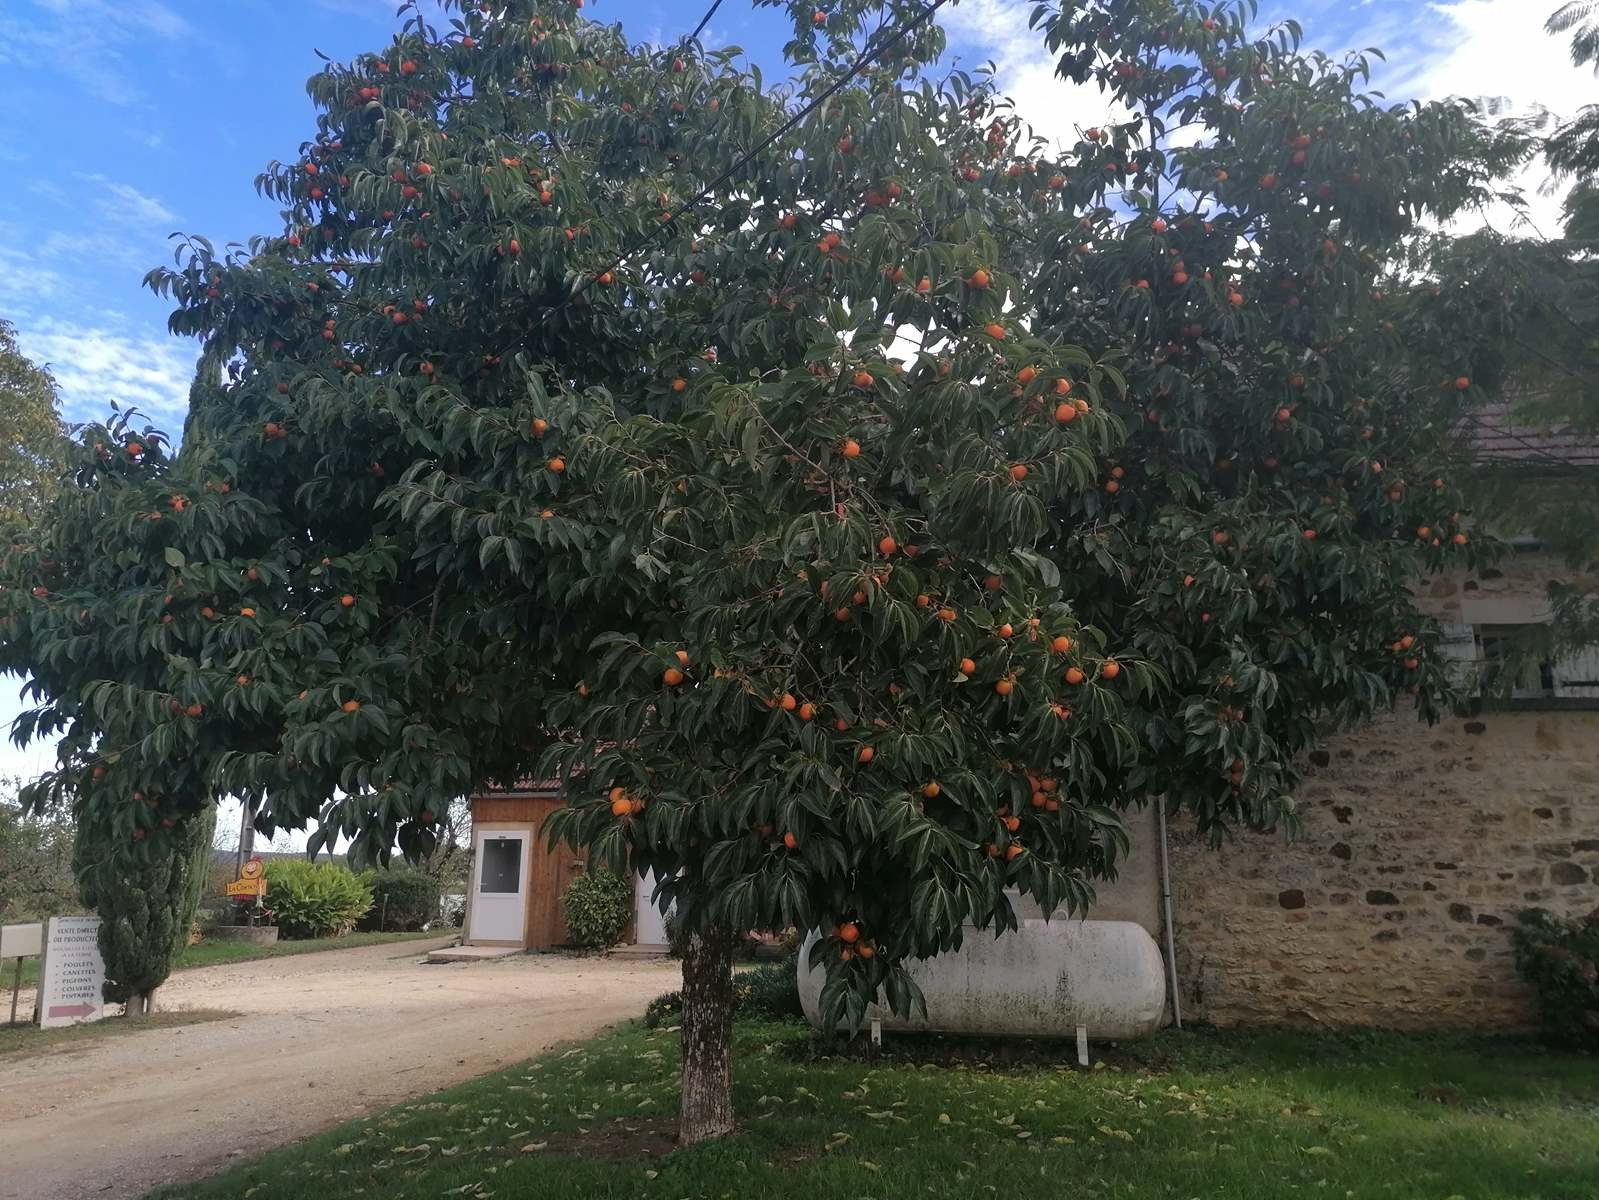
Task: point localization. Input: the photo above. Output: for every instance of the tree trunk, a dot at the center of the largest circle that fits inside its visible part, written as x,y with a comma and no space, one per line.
706,1109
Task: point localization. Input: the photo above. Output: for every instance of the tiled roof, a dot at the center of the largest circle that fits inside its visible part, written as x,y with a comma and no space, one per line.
1496,437
521,786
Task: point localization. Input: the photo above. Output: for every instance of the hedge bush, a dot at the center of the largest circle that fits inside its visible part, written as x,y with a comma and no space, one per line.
313,900
769,990
598,906
773,989
1559,956
403,900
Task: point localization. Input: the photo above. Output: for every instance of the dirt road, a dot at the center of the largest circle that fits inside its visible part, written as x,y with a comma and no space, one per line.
324,1038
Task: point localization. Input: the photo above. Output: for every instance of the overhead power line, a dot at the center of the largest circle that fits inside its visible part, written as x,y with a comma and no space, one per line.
705,20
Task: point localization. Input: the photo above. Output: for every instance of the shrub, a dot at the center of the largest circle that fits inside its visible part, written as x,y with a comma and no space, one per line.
402,900
663,1010
769,990
1559,956
312,900
598,905
773,990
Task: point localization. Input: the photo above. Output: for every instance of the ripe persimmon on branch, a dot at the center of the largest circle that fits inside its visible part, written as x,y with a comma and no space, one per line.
822,632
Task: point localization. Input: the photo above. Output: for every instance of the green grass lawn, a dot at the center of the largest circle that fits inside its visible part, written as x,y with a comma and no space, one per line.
1217,1116
209,954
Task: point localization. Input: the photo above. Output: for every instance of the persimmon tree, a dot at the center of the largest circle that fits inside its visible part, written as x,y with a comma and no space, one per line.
855,500
1528,306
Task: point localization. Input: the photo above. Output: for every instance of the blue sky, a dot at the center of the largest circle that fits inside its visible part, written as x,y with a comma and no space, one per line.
126,120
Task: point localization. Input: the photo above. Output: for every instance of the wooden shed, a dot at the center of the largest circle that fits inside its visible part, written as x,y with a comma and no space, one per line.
518,880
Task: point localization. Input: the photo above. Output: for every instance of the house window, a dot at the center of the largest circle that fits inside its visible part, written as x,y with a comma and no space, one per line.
502,865
1569,680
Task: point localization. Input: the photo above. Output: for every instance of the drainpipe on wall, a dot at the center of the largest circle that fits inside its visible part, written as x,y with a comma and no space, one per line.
1165,899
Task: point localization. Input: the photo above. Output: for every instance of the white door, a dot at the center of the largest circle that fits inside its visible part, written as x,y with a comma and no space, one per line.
499,885
651,924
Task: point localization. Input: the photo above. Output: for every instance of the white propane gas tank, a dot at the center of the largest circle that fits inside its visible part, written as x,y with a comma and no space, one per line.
1043,980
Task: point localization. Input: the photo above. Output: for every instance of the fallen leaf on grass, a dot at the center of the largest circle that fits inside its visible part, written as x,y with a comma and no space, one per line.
1317,1150
1063,1141
870,1166
943,1118
532,1146
1115,1133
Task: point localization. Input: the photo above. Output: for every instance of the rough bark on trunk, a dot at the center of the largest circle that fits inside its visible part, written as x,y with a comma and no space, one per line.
706,1109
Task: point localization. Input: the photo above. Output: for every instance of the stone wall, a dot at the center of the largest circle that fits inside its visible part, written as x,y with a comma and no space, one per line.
1419,847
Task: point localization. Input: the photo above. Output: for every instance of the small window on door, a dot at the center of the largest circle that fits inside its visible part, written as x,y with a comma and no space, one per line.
502,865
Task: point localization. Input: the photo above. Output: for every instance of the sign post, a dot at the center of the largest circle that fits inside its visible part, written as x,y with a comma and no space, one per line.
19,942
251,882
72,974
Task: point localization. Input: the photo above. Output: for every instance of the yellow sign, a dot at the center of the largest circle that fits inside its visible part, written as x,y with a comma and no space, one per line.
247,887
251,869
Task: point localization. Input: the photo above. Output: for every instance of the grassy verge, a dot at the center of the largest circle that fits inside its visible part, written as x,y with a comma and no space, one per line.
25,1039
209,954
1225,1117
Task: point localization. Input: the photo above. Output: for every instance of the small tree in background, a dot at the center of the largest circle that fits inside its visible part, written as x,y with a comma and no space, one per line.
859,511
32,439
35,861
449,862
402,899
1521,312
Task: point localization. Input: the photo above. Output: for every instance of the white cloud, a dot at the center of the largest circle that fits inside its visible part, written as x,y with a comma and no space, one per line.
1498,49
135,16
100,249
128,203
81,38
25,276
105,362
997,30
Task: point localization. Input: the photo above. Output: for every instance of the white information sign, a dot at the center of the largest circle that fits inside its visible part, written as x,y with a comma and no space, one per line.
22,941
72,973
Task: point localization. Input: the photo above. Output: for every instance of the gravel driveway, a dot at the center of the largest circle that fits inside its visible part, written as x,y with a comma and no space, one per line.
324,1038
